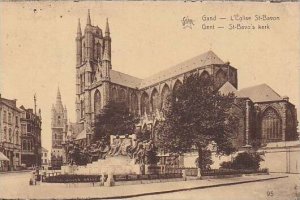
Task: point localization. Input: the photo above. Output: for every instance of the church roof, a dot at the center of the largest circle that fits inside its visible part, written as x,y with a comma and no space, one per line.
124,79
259,93
201,60
227,88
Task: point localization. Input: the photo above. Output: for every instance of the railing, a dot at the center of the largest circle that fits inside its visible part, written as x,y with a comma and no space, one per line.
136,177
214,172
73,178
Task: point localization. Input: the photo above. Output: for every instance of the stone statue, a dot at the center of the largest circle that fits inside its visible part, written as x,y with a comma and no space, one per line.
125,146
115,147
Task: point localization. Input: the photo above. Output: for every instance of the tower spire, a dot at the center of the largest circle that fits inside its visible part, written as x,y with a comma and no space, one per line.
88,22
34,99
107,32
58,96
79,28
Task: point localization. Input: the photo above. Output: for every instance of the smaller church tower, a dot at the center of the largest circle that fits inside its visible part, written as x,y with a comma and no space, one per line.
59,130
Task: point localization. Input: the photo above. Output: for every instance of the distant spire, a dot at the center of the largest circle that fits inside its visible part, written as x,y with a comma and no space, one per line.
34,99
58,96
88,22
58,105
107,32
79,28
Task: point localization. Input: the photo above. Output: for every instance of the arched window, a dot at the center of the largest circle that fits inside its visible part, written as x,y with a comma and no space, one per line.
58,120
271,125
221,78
82,108
204,75
177,85
164,95
114,94
134,107
122,95
154,101
98,51
145,103
97,102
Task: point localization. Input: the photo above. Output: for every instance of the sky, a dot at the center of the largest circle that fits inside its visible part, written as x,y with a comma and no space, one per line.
37,45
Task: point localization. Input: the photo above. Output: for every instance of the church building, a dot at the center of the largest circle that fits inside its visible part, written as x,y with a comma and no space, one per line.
59,128
264,115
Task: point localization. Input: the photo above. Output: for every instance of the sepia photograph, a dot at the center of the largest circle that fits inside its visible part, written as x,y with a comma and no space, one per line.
184,100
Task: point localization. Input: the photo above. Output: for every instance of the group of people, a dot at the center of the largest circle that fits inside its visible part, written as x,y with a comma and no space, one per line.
135,149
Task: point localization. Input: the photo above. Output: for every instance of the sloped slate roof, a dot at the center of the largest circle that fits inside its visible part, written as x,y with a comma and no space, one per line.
259,93
227,88
124,79
201,60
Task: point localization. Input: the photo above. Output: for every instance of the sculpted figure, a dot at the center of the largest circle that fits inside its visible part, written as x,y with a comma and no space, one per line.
103,150
132,149
140,154
125,145
115,147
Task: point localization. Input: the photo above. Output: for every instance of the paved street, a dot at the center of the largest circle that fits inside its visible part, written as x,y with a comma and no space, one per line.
15,185
278,189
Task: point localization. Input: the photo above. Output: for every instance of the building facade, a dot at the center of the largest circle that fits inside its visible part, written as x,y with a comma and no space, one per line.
10,136
31,128
59,131
268,119
44,158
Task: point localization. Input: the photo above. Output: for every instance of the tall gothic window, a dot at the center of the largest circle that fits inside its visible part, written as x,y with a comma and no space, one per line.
177,85
145,103
97,102
114,94
122,95
271,125
220,78
204,75
134,107
164,95
154,101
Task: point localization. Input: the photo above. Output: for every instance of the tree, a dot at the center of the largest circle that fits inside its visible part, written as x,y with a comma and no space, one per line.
114,119
197,115
244,160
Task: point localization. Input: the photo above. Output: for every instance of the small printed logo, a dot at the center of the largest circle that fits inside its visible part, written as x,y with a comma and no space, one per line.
187,22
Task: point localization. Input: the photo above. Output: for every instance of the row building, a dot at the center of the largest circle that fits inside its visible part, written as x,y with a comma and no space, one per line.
20,136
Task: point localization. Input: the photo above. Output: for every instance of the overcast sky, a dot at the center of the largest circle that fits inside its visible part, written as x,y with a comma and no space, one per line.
37,45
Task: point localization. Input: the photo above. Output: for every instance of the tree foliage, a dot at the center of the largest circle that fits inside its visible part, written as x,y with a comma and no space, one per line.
114,119
244,160
197,115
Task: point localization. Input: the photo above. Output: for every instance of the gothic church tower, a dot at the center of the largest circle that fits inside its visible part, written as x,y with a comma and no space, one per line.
93,65
59,130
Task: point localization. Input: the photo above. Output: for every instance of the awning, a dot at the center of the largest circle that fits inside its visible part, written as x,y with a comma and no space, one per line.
3,157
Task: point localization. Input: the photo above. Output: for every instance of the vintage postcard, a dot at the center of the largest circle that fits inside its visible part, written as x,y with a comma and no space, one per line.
149,100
